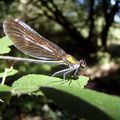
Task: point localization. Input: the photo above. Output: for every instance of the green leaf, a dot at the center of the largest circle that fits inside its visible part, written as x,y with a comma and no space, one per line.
5,95
10,73
85,103
31,83
5,42
5,88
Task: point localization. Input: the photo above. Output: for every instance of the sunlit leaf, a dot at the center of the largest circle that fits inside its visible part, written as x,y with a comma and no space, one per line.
87,104
10,73
5,95
5,42
32,83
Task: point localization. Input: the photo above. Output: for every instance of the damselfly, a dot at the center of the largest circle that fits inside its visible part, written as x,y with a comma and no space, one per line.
40,49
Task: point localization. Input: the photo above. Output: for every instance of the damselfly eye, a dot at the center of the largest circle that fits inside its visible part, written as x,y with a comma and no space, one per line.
82,63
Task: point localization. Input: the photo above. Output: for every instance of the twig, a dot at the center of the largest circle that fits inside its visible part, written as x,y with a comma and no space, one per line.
5,74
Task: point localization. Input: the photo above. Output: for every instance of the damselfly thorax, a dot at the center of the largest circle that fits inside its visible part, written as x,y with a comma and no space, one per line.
39,48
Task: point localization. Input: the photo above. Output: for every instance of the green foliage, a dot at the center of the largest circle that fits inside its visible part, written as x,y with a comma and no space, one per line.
114,32
4,45
32,83
9,73
5,95
83,21
70,94
77,100
52,19
85,103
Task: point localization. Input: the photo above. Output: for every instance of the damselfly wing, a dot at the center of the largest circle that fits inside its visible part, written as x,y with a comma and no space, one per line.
42,50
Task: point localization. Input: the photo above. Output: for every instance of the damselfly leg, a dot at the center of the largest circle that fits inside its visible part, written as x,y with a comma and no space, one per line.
60,72
65,72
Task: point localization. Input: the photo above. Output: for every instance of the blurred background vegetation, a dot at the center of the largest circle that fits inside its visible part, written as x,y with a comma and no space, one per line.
86,29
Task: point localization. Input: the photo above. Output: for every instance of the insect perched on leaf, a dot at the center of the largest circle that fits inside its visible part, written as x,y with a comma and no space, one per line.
33,44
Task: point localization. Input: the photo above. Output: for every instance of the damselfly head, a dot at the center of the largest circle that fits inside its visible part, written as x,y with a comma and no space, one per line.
82,63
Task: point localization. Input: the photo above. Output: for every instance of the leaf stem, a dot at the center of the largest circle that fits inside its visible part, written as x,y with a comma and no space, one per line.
5,74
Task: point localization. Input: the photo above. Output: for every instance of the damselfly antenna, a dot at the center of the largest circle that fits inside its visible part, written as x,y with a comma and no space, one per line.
42,50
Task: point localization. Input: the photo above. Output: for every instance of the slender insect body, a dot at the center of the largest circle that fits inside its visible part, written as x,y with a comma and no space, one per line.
31,43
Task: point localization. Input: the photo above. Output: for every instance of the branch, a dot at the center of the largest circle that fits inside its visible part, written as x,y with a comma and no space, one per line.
114,10
62,20
91,20
105,8
109,16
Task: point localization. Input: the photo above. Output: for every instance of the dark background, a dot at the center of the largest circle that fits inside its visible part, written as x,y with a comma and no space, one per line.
86,29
